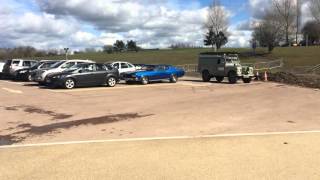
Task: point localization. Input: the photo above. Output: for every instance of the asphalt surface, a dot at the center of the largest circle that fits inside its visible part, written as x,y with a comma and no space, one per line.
33,114
30,114
292,156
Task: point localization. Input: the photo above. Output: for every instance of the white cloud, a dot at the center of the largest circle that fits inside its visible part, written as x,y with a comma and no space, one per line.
61,23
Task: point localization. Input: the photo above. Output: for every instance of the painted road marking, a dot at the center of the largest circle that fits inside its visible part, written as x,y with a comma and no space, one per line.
10,82
160,138
122,87
12,90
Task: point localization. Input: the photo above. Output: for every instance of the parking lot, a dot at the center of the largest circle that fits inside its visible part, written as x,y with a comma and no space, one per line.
190,125
33,114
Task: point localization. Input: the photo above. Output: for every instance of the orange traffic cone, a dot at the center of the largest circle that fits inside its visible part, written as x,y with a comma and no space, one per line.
265,76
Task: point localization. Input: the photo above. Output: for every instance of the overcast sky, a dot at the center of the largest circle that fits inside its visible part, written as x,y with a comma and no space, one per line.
79,24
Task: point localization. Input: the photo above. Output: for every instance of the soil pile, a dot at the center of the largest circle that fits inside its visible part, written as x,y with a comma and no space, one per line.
307,80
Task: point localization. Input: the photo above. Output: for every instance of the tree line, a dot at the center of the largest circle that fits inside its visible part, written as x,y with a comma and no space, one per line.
280,26
120,46
25,52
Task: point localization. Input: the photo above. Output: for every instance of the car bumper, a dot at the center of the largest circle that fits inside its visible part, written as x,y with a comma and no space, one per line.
131,79
55,82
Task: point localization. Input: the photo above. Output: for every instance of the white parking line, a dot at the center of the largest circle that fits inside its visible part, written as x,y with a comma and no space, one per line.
10,82
122,87
160,138
12,90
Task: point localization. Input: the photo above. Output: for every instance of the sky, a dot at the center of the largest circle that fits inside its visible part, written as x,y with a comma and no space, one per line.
80,24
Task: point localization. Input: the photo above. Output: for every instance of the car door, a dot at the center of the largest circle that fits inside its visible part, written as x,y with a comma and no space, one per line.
158,73
100,74
117,66
85,76
220,67
124,68
131,67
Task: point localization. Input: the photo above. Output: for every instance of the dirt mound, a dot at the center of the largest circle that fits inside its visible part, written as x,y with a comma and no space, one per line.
310,80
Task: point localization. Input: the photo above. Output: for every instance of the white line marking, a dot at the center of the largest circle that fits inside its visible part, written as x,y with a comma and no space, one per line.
115,88
12,90
10,82
159,138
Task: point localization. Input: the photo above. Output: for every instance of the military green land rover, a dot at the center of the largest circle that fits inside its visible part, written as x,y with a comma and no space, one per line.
223,64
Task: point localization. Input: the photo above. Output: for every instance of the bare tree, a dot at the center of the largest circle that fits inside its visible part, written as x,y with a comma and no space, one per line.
269,32
287,12
217,20
315,9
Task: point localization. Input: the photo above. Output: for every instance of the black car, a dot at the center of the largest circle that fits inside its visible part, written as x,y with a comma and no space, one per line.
86,74
27,74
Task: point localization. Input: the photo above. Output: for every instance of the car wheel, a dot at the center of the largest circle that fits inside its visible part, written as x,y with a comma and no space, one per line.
144,80
232,77
111,81
173,78
246,80
206,76
219,79
29,77
69,83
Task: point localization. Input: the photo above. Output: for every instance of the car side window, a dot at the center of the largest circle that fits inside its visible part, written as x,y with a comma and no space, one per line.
100,67
26,63
108,67
89,68
15,63
68,65
116,65
130,66
124,65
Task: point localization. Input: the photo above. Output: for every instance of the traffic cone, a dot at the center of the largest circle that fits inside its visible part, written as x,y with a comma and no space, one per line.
265,76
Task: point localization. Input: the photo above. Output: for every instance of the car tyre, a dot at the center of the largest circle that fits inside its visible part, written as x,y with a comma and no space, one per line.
29,77
246,80
69,83
173,78
219,79
111,81
144,80
232,77
206,77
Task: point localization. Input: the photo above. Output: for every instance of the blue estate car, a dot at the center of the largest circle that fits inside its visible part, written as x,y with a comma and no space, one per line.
154,73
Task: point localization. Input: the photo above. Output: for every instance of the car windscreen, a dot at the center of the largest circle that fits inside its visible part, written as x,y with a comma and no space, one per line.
35,66
57,64
47,64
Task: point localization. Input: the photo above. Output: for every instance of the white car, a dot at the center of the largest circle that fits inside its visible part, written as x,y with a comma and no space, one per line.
13,65
1,67
123,67
57,67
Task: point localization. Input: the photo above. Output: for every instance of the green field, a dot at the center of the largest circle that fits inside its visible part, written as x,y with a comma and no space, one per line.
292,56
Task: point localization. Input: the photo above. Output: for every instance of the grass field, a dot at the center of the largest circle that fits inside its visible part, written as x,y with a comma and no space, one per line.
292,56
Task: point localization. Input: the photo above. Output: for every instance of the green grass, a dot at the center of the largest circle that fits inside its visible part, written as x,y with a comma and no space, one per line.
292,56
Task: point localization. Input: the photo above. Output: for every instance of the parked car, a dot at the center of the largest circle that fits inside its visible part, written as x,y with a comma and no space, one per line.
60,66
155,73
27,74
11,66
86,74
221,65
123,67
1,68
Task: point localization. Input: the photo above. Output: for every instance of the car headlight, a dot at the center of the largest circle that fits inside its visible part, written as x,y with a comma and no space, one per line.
22,72
57,77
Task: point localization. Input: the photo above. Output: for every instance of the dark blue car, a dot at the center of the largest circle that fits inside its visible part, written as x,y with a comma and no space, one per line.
154,73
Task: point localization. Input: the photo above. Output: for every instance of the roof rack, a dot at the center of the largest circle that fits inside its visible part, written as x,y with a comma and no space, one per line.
218,53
